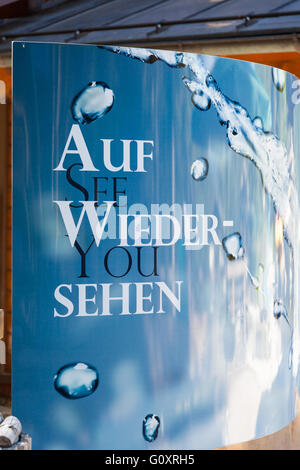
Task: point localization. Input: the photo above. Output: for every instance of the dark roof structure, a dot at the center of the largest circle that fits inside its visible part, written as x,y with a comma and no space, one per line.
146,22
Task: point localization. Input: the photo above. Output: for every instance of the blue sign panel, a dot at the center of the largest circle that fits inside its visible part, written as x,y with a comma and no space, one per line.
155,248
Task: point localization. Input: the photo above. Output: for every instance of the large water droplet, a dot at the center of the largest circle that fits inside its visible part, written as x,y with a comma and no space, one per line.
233,247
279,78
92,102
76,380
199,169
201,101
151,425
279,309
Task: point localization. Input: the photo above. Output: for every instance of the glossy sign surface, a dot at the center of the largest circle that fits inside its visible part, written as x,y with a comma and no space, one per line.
155,248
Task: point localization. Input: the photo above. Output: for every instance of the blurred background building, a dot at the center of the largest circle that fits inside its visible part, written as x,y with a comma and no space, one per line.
261,31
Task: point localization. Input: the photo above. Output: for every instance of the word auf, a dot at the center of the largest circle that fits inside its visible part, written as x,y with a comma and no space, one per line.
82,151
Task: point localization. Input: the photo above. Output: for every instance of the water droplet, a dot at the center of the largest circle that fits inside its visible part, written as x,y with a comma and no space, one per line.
233,247
261,270
279,78
210,81
199,169
151,425
149,56
201,101
92,102
259,280
290,359
279,309
76,380
257,121
255,282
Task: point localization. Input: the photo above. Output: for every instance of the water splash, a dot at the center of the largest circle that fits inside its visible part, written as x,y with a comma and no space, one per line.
279,78
199,169
246,137
254,280
76,380
151,425
92,102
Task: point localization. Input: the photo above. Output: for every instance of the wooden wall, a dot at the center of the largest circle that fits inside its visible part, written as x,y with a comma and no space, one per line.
289,61
6,225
